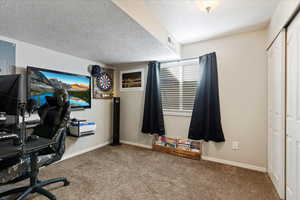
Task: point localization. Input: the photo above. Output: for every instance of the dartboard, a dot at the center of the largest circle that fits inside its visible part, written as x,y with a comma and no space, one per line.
104,81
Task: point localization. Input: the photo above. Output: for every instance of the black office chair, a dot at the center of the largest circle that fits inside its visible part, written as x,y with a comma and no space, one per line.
54,116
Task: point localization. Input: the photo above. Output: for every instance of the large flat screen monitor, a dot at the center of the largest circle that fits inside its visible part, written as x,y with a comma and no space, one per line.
43,82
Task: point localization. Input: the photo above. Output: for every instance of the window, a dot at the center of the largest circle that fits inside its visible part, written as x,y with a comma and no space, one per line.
178,84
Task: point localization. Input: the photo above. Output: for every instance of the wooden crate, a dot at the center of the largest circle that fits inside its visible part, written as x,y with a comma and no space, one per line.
177,152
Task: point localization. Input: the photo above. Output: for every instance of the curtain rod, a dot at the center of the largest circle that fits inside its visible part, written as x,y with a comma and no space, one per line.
179,60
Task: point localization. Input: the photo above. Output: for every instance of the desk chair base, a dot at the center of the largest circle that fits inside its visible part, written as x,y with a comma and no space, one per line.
36,188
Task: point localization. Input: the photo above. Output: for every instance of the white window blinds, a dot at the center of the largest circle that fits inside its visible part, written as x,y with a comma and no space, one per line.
178,84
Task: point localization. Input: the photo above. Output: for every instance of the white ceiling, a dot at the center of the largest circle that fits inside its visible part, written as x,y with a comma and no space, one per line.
100,31
95,29
187,23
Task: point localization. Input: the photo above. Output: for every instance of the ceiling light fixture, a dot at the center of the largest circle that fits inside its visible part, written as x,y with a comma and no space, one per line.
208,5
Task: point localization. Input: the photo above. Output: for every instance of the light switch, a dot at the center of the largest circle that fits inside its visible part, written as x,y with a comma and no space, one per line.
235,145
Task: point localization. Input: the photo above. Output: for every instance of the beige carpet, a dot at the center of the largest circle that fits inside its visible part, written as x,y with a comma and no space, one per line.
129,173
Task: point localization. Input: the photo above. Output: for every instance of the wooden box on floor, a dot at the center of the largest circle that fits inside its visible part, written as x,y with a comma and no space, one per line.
175,150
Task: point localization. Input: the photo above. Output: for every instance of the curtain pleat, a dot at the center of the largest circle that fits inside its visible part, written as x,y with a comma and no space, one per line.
206,118
153,121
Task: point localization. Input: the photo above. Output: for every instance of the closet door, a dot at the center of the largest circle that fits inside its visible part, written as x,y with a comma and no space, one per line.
293,112
276,113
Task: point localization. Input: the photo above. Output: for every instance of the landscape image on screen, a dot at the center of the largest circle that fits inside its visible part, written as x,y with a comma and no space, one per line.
44,83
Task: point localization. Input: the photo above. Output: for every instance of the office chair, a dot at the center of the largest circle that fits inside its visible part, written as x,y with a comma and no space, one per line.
54,116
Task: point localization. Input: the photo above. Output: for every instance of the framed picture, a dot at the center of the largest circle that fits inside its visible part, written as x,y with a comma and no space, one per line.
132,80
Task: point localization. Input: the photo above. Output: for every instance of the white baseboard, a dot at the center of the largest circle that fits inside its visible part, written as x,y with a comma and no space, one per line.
226,162
84,151
235,164
136,144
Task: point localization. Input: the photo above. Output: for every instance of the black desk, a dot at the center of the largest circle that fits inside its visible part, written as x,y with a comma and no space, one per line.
31,148
8,150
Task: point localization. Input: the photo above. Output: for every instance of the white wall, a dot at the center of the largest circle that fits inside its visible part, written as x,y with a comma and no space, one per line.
132,107
31,55
242,65
243,92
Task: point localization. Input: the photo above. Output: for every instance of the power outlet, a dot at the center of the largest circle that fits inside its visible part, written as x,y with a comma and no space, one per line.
235,145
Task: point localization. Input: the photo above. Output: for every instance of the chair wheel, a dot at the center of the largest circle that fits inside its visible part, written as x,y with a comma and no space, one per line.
66,183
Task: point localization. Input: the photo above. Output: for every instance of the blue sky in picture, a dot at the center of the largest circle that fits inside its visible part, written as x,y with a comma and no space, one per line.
69,79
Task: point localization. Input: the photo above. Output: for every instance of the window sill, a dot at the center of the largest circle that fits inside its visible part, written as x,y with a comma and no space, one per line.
177,113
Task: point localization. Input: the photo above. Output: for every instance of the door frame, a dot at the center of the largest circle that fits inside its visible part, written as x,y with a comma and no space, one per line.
279,185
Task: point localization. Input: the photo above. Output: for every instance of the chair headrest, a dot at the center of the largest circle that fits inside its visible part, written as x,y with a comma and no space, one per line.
59,98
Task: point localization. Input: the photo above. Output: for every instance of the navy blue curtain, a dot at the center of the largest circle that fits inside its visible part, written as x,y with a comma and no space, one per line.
153,121
206,119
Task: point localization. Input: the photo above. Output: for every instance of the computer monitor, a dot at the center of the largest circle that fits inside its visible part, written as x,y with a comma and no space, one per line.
10,93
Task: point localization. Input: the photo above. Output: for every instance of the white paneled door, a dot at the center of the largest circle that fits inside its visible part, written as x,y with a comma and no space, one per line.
293,112
276,113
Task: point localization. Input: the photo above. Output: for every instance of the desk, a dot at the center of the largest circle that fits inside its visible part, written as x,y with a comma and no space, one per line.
31,148
8,150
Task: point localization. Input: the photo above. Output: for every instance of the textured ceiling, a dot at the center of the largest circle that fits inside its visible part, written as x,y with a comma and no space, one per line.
187,23
92,29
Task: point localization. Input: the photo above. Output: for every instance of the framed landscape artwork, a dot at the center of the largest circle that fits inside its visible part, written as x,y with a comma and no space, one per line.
132,80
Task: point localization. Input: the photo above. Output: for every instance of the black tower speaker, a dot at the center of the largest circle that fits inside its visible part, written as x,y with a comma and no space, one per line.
116,121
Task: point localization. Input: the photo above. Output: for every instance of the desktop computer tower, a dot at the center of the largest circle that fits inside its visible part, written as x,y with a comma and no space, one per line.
116,121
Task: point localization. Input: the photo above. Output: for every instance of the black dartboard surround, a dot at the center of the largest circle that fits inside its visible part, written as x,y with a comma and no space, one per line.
104,82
